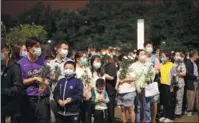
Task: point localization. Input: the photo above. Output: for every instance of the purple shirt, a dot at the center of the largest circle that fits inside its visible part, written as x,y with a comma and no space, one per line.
32,69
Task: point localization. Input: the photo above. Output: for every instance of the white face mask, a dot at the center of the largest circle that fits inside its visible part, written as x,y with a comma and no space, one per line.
96,65
149,50
64,53
68,72
142,58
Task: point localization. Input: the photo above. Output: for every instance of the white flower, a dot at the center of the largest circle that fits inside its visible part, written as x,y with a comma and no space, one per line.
130,57
125,57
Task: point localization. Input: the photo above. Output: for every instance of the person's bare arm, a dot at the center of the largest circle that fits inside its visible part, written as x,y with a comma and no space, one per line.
108,77
29,80
128,80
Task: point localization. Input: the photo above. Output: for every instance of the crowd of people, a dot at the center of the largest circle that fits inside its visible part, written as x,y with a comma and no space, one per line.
86,86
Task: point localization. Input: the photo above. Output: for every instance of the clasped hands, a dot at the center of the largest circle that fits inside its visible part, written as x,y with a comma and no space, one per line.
64,102
100,97
40,80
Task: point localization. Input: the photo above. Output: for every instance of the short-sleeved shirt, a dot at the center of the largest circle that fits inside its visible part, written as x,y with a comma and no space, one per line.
57,63
127,87
32,69
156,63
95,77
165,71
141,70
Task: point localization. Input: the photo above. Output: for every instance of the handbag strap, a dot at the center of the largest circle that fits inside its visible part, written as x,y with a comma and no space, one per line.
151,66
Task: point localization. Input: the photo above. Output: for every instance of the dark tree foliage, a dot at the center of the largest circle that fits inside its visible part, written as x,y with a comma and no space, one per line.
114,22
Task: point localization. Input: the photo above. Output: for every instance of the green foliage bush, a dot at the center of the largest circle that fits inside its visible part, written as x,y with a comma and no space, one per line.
105,23
19,34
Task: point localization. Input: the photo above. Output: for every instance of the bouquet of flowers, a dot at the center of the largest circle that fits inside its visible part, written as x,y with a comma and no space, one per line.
85,78
124,66
87,84
45,73
57,72
149,75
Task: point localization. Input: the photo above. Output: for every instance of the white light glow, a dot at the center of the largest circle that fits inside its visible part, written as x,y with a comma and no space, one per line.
140,33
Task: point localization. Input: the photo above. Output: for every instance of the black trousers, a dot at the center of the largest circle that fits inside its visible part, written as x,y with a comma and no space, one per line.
53,106
184,105
86,111
167,99
100,116
111,108
10,109
36,110
67,119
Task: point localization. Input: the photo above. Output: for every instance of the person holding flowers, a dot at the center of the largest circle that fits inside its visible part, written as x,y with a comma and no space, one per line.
97,70
100,99
126,89
36,101
144,73
83,72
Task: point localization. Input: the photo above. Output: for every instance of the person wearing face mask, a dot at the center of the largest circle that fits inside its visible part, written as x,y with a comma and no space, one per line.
191,80
68,95
178,73
100,99
35,100
156,64
11,84
97,70
61,50
82,70
23,51
141,68
166,88
126,94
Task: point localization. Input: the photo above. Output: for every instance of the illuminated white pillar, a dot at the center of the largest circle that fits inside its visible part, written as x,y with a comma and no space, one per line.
140,33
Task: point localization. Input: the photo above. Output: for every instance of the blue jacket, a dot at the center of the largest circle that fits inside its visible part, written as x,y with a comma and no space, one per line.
72,88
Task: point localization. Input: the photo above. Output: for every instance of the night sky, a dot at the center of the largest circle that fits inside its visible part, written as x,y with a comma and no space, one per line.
15,7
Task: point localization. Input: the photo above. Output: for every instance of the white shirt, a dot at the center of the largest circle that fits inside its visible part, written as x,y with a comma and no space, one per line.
127,87
95,78
59,64
81,71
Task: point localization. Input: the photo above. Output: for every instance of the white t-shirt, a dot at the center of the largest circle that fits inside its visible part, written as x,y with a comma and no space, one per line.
127,87
81,71
95,77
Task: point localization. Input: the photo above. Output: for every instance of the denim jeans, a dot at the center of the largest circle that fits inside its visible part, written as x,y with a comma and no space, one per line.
143,108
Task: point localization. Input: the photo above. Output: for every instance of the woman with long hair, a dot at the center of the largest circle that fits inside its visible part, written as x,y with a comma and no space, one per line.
83,72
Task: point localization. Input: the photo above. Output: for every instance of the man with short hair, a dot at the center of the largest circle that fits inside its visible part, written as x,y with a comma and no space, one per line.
156,64
36,102
61,58
191,78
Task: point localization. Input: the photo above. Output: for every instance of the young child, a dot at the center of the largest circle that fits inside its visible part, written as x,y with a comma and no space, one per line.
68,94
100,99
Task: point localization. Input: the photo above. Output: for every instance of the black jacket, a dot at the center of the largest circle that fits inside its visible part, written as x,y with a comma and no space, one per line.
111,70
197,62
11,86
73,89
190,77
